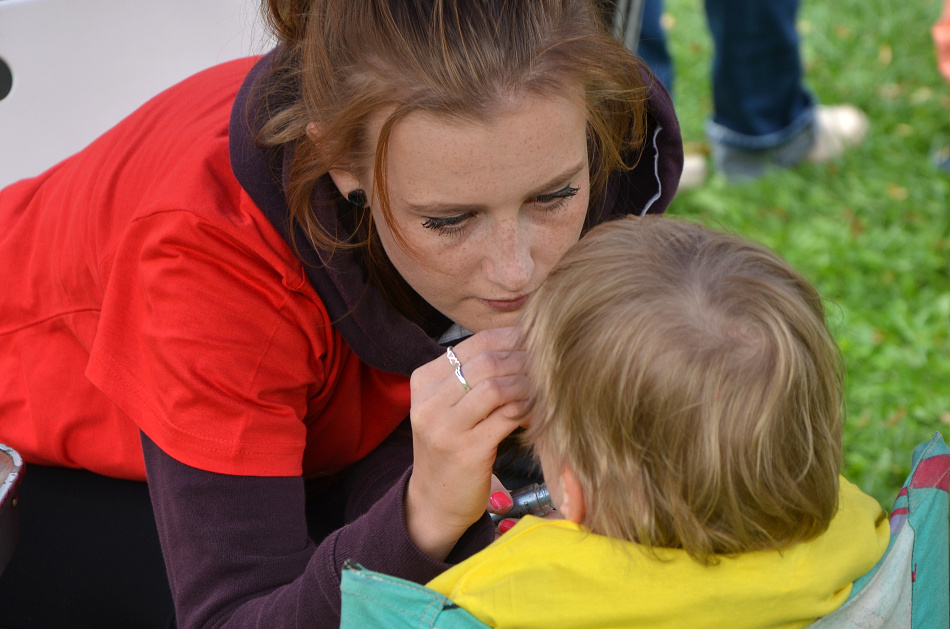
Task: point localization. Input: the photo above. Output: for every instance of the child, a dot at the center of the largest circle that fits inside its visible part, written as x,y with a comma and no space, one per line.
687,415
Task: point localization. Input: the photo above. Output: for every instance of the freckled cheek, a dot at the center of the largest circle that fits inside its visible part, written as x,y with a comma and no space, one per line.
448,269
554,242
465,264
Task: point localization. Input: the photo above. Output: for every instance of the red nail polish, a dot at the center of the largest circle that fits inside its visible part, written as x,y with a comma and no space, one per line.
505,525
500,501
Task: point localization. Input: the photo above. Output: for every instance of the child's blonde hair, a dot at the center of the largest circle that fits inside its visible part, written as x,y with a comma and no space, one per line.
689,379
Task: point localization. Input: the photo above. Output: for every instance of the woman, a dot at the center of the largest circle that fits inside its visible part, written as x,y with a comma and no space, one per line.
228,292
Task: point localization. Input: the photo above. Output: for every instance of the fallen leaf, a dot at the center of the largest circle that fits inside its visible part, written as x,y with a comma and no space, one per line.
896,192
864,419
889,91
895,417
922,95
856,225
885,54
945,418
844,32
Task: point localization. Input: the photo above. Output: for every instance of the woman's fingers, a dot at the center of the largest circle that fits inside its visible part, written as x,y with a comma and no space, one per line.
477,421
508,523
494,378
487,365
499,341
495,340
504,526
481,358
499,501
502,393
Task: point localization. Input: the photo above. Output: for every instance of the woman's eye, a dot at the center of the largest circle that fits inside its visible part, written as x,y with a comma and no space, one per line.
454,225
446,225
557,197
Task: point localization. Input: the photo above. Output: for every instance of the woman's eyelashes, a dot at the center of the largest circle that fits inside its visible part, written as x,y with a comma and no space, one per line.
449,225
558,196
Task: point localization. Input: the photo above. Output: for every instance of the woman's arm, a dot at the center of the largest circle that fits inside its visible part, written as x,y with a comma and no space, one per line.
238,554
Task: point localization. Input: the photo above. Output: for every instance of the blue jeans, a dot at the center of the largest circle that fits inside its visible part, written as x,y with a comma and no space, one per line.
762,113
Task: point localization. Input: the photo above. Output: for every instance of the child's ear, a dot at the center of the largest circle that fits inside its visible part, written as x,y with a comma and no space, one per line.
573,505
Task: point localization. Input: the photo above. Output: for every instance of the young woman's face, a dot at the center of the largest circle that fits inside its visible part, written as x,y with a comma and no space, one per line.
485,208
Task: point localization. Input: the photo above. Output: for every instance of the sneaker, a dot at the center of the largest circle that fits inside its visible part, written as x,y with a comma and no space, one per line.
941,159
837,128
694,171
739,165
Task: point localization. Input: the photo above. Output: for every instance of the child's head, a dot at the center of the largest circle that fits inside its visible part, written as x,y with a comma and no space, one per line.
688,380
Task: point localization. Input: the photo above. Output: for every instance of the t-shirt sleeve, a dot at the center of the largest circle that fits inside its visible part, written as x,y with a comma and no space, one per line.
205,343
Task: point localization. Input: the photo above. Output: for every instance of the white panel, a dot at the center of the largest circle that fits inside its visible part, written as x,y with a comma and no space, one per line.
80,66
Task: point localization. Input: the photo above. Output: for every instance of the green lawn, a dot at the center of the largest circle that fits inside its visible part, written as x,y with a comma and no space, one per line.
871,230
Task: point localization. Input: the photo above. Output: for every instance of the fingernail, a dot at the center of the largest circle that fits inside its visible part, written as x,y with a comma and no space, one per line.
499,501
505,526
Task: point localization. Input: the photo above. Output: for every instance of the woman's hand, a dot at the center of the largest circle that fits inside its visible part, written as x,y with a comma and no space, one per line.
455,435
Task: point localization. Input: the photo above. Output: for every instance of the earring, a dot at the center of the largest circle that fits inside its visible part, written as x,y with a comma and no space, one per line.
357,198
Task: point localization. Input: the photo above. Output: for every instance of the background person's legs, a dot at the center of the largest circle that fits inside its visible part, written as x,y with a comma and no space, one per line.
763,115
652,47
757,70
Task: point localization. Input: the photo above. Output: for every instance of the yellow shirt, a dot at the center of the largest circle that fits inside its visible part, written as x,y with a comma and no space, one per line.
554,573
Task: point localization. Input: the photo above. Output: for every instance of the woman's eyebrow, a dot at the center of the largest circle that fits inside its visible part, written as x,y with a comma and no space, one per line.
560,179
449,209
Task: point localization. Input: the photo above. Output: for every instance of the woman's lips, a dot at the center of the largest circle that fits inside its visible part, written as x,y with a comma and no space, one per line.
506,305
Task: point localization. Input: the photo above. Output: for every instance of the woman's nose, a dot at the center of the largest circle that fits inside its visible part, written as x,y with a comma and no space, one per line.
508,260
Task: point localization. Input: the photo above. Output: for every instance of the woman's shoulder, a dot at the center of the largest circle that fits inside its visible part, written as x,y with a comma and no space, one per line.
169,156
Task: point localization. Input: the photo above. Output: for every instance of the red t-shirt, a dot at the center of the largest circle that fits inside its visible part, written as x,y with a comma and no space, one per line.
143,289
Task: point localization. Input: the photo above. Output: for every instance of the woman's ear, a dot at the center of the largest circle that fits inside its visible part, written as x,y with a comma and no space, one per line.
573,505
313,131
345,181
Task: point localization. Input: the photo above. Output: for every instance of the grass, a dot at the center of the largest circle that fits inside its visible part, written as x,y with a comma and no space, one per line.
871,229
